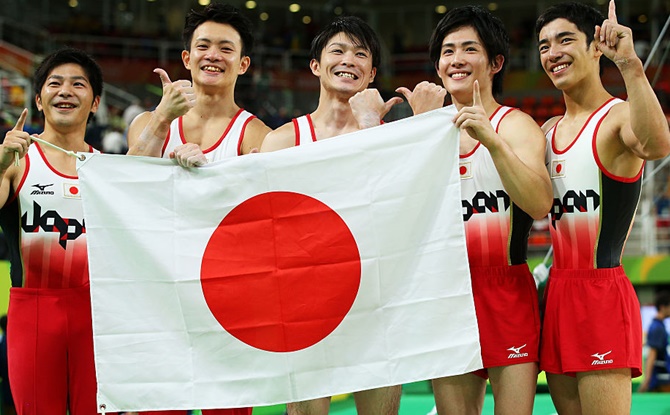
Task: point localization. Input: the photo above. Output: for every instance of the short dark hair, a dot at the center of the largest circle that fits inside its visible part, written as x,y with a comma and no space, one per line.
65,56
220,13
356,29
661,299
585,17
489,28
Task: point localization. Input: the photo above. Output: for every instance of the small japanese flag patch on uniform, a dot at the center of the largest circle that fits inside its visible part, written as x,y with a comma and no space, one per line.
465,170
558,168
71,191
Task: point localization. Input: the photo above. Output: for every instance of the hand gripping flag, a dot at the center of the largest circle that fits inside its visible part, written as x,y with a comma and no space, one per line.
278,277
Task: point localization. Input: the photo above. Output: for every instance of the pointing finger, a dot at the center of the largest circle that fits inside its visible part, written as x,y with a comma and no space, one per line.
22,120
476,96
165,79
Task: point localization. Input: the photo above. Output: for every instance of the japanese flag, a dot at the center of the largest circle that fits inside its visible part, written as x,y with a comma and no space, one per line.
270,278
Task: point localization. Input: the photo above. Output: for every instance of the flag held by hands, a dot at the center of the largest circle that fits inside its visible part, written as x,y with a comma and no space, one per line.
280,277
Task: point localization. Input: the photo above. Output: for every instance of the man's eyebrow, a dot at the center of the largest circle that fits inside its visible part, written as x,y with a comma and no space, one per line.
465,43
75,77
208,40
558,36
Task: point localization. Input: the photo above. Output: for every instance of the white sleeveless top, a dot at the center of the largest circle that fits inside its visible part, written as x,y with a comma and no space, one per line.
49,247
304,130
228,145
584,235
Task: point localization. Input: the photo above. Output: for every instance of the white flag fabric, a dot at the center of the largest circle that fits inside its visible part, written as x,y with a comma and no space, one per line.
277,277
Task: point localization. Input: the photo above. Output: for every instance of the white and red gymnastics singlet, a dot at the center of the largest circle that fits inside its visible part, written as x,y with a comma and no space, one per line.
496,234
48,248
304,130
591,216
496,230
49,316
584,235
228,145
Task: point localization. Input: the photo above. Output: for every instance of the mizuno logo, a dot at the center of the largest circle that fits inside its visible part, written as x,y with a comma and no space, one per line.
601,359
516,352
41,189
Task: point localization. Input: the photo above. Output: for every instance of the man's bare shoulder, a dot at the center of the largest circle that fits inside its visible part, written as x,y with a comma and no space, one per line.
519,124
619,113
281,138
615,124
550,123
254,135
520,118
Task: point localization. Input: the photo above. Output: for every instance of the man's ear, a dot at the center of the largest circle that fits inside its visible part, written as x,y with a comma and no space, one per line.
597,51
245,62
95,104
186,58
373,74
497,64
315,66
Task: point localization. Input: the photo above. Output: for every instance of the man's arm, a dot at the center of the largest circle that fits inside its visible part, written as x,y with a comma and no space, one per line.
254,135
643,126
518,153
279,139
148,131
648,370
15,145
523,165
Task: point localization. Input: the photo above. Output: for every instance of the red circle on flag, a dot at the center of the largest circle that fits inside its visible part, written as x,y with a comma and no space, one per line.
463,170
559,167
74,190
281,271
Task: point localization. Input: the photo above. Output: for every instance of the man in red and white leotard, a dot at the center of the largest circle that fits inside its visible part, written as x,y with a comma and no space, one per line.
591,342
50,336
198,121
504,186
344,56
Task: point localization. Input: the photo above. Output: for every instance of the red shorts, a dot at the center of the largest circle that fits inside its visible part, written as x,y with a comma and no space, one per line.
508,315
591,322
50,351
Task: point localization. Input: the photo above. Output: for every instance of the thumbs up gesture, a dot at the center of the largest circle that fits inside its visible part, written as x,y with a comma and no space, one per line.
178,96
425,97
369,108
16,143
473,119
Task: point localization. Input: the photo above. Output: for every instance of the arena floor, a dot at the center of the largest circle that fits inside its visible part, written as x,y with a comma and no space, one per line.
643,404
422,403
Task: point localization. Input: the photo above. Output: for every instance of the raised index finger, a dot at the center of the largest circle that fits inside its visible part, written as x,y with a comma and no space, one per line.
476,95
611,14
22,120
